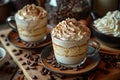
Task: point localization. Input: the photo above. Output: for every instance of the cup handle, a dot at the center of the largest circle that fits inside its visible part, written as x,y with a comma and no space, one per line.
96,45
11,23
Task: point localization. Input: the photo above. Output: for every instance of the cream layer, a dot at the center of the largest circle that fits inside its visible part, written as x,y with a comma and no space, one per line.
30,25
70,60
36,32
32,38
67,43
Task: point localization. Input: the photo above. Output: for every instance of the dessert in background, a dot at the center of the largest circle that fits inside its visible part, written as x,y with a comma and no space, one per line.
61,9
31,23
70,41
109,24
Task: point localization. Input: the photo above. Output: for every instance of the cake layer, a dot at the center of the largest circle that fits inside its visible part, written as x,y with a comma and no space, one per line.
38,35
36,32
70,52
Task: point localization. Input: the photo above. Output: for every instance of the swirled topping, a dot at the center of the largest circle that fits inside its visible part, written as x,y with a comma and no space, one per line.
31,12
109,24
70,29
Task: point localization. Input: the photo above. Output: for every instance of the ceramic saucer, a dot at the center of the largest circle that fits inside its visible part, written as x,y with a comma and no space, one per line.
90,63
13,38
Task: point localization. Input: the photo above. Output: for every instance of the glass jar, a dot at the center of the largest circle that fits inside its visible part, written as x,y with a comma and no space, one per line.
61,9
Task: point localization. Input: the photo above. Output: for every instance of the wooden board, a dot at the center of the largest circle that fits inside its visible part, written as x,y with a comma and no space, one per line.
20,59
19,75
8,70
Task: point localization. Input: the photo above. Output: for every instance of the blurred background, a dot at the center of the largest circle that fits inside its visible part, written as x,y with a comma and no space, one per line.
61,9
10,7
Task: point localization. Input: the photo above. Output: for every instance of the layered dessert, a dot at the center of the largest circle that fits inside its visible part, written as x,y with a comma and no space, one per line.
31,23
70,41
109,24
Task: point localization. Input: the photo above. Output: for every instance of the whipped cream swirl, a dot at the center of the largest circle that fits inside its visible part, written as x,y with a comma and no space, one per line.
31,12
109,24
70,29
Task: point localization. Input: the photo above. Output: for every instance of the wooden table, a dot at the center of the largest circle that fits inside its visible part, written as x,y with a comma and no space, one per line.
20,59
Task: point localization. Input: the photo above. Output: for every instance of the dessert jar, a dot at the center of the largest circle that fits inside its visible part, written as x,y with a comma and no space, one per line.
31,23
70,41
107,29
